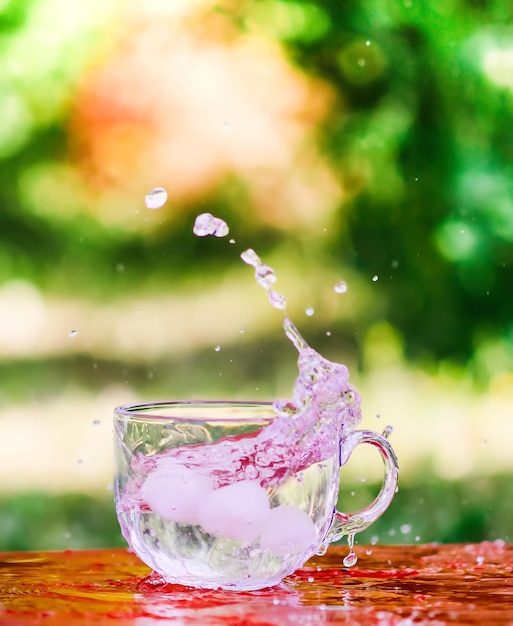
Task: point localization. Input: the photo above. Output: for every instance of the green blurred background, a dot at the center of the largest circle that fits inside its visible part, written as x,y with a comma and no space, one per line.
370,142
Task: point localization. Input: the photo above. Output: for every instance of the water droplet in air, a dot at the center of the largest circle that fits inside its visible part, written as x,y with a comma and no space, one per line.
67,535
387,431
485,442
480,560
309,311
250,257
206,224
120,268
221,228
217,348
277,300
311,579
241,331
405,529
226,126
328,333
340,287
155,198
375,278
265,276
73,333
138,311
232,241
80,462
417,537
96,422
374,540
367,43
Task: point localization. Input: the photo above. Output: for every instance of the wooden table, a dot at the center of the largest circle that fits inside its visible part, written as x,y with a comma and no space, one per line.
390,585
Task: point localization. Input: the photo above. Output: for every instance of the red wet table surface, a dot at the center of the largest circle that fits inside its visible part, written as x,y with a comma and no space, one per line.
390,585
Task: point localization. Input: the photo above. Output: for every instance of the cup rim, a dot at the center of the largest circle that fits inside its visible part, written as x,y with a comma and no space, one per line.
149,411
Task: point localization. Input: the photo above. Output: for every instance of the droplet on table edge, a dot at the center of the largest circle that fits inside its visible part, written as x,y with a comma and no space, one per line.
340,287
155,198
350,559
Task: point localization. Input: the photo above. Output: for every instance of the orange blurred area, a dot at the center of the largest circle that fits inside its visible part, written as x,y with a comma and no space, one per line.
187,101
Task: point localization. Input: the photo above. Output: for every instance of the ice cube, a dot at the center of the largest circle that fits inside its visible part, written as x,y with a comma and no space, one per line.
176,492
288,530
236,511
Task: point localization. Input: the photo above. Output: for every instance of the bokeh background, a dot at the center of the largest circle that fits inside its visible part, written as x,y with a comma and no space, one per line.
370,142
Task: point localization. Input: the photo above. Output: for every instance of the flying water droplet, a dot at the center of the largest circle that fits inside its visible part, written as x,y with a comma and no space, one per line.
250,257
277,300
96,422
265,276
405,529
340,287
294,335
73,333
309,311
375,278
217,348
206,224
387,431
155,198
231,241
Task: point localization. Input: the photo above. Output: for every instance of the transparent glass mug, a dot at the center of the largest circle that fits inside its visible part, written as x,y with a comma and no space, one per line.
217,495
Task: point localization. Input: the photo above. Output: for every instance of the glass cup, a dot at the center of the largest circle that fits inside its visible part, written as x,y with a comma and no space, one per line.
227,495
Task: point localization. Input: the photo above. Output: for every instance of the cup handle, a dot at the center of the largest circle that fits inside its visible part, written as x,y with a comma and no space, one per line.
352,523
